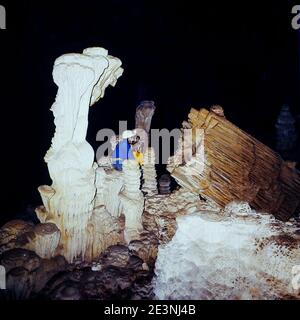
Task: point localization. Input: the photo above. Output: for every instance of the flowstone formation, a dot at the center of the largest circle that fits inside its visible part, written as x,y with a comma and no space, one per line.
240,255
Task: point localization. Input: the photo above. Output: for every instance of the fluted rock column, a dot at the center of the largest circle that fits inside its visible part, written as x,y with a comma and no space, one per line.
109,184
69,202
149,173
46,241
132,200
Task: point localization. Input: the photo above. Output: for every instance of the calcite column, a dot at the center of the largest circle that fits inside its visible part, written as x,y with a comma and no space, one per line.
109,184
149,173
69,202
132,200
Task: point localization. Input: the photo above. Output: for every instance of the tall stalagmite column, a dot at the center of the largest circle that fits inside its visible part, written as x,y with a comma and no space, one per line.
69,202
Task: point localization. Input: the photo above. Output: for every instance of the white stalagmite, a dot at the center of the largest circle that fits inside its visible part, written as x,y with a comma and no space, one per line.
100,186
69,202
109,184
149,173
132,200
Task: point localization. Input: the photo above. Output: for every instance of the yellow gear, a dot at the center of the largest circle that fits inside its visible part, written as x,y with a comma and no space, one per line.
139,157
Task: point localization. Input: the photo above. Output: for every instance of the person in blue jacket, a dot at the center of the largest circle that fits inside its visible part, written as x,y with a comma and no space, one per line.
123,150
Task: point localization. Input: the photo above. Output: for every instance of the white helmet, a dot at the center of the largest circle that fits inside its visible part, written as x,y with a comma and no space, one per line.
128,134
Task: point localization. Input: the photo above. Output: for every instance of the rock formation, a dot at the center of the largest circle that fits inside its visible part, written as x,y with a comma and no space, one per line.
12,233
121,276
144,114
228,258
237,167
42,238
27,273
104,230
109,184
69,202
132,200
165,184
99,236
161,212
46,240
286,130
149,173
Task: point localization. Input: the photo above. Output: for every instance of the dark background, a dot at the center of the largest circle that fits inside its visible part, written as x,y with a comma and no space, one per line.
181,54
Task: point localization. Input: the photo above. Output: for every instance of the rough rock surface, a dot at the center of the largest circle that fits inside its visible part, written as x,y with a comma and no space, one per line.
27,273
161,212
121,276
14,234
238,256
231,253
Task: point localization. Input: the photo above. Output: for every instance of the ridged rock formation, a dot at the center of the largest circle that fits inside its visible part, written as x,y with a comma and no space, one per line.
149,173
69,202
132,200
236,166
46,240
104,230
109,184
42,238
